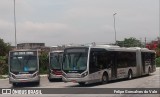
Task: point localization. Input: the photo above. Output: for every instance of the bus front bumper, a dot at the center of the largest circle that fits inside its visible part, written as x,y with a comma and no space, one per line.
53,76
15,80
75,80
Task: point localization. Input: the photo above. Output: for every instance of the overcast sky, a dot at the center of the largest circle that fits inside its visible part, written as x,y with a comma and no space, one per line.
57,22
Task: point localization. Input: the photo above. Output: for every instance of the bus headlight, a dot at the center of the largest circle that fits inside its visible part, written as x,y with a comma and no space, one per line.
13,76
35,74
84,74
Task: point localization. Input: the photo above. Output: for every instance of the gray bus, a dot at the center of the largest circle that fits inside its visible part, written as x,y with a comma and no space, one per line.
23,66
55,63
101,63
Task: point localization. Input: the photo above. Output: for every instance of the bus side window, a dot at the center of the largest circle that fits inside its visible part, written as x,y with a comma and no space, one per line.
110,60
98,60
110,63
93,59
92,62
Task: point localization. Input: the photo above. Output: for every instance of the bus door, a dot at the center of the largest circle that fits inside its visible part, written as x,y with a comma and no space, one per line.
113,65
153,66
98,60
143,62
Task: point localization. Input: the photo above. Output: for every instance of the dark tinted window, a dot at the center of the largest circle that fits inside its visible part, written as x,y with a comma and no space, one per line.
126,59
98,60
148,57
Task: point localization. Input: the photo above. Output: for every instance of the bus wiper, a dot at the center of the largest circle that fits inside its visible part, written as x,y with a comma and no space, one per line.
59,61
78,58
28,59
19,61
57,58
69,58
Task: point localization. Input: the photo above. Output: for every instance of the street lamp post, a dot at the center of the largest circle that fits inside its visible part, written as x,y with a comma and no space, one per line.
15,25
115,26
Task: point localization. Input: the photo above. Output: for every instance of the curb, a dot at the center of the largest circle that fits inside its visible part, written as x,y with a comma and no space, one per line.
5,76
44,75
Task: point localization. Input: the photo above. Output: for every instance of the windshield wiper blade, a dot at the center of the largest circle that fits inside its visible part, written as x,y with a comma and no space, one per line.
78,58
69,58
28,59
19,61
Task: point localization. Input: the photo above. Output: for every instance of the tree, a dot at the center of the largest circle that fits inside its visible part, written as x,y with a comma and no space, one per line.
129,42
4,48
43,62
158,51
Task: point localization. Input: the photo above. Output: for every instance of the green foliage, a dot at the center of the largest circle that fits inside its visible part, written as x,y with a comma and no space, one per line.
3,65
43,62
158,62
4,48
2,59
129,42
158,46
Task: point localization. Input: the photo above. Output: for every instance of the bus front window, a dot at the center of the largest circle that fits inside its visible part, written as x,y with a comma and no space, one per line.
23,63
55,61
75,61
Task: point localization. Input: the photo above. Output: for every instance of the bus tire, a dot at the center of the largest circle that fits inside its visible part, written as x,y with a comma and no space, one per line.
104,78
130,75
15,84
81,83
50,80
38,83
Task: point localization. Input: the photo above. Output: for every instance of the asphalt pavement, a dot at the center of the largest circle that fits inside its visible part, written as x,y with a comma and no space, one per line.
151,81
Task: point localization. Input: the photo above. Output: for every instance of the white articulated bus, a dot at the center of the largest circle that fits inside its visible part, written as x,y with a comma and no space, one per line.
55,64
23,66
101,63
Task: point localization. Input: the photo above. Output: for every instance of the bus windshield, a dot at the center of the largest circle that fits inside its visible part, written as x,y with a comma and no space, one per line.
23,63
75,59
56,60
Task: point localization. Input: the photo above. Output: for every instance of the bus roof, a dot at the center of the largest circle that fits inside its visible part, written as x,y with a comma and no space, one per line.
18,50
115,48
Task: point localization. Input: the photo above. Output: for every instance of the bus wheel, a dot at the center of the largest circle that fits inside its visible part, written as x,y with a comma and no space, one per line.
50,80
38,83
130,74
104,78
81,83
15,84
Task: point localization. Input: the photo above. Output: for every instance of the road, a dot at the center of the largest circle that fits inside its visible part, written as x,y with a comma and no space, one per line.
152,81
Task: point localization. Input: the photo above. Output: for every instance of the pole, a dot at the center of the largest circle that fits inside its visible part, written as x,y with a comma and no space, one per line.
15,25
145,42
115,27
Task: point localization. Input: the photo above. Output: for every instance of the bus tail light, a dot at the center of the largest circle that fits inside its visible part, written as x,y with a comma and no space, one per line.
84,74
